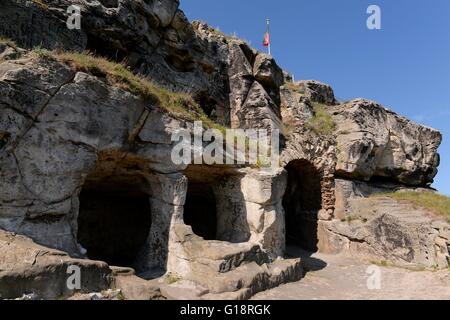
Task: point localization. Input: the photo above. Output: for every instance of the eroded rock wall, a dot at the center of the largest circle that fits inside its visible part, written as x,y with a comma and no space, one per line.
377,228
59,126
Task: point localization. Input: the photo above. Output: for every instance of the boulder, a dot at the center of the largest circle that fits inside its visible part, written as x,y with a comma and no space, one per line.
317,91
295,108
267,72
259,111
374,142
27,268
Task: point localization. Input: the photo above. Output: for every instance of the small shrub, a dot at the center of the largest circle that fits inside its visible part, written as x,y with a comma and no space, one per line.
42,53
121,296
321,123
171,278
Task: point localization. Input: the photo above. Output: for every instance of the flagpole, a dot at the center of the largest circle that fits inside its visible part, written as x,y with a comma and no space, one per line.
268,31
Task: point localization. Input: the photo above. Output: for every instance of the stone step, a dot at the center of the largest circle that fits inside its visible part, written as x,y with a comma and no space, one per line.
135,288
222,257
250,278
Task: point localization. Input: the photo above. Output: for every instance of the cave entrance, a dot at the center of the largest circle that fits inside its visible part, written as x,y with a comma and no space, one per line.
114,217
200,210
215,206
302,203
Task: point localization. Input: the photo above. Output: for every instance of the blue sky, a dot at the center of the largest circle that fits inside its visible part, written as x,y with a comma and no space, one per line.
405,66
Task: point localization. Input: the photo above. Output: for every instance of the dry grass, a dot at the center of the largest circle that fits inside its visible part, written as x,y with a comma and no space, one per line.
321,123
293,87
8,42
40,3
435,202
178,104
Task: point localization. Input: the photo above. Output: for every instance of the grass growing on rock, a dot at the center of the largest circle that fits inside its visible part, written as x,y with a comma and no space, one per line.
435,202
40,3
178,104
42,53
8,42
321,123
171,278
292,86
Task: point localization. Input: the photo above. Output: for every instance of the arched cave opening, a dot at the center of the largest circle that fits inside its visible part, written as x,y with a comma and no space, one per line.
302,202
114,217
200,210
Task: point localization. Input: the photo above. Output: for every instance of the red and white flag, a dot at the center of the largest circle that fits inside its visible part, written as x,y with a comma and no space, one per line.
266,41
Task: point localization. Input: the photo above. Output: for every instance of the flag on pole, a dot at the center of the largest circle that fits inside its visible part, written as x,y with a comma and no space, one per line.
266,41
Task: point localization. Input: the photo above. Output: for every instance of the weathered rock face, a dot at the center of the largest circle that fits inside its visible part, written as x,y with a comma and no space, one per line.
378,228
295,109
76,152
62,127
26,268
374,142
154,36
317,91
77,136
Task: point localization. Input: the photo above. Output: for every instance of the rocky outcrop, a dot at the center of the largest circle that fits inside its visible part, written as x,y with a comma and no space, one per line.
83,135
75,148
42,173
374,142
377,228
153,37
317,91
27,268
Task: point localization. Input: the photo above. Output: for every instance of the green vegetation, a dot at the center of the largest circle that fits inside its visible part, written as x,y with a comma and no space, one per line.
120,296
178,104
321,123
410,267
42,53
435,202
171,278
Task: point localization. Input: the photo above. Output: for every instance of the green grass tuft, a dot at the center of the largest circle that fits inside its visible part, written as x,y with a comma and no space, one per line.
171,278
42,53
321,123
435,202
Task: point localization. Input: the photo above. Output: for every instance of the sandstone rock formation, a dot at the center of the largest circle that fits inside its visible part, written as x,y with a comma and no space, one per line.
26,268
378,228
375,142
85,164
